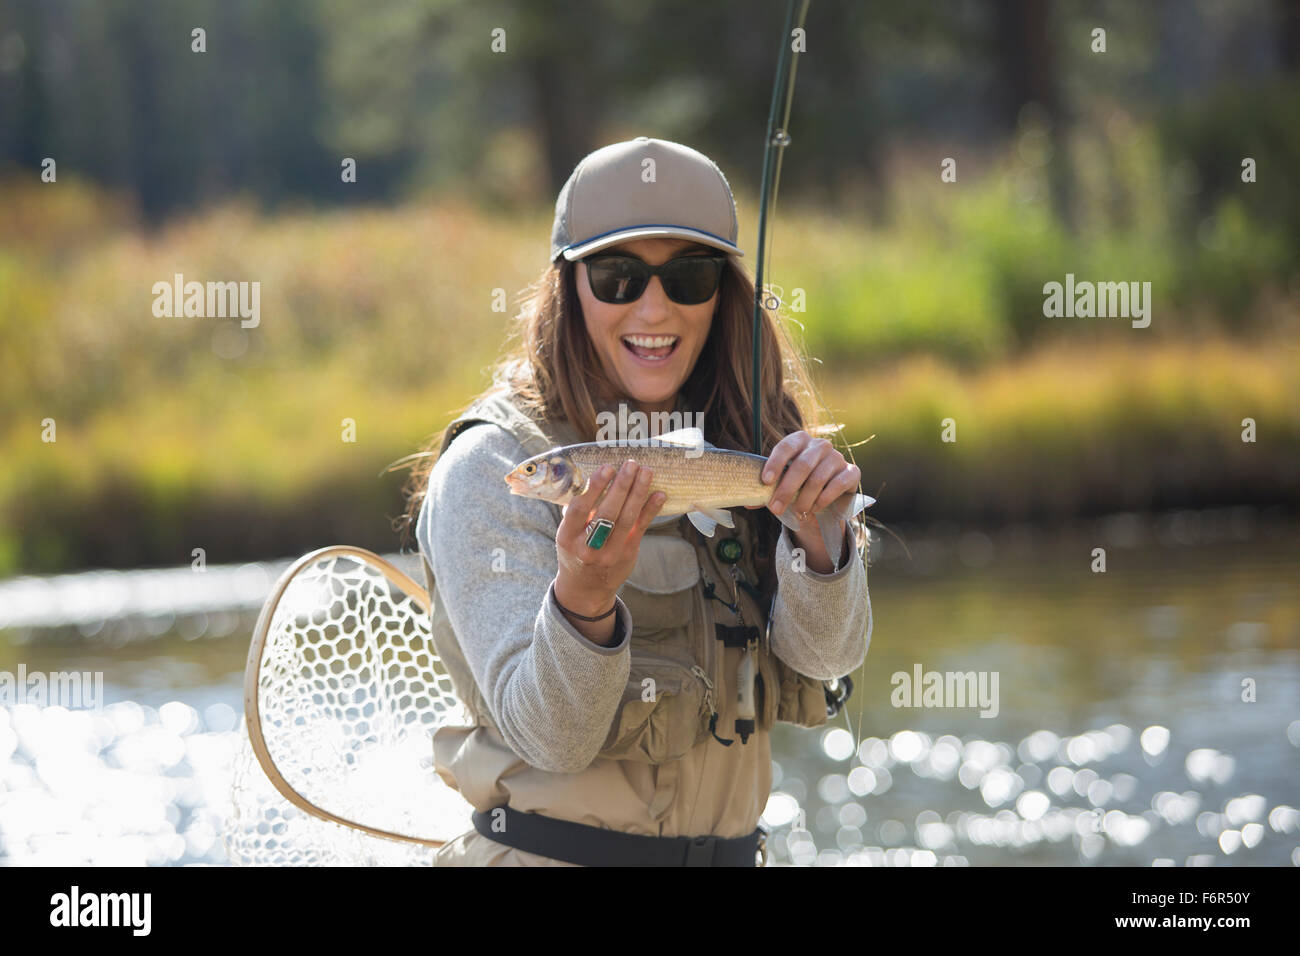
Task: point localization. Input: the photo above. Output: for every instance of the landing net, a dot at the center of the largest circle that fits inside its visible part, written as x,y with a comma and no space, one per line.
343,691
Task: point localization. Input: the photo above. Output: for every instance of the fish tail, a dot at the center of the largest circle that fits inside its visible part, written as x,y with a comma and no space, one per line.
845,507
849,504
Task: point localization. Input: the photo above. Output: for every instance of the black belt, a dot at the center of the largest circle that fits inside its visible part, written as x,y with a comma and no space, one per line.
596,846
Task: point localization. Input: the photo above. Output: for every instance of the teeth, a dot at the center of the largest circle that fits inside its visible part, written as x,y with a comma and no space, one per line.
650,341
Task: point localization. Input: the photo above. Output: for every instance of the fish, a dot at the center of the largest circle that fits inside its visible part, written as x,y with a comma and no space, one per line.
700,480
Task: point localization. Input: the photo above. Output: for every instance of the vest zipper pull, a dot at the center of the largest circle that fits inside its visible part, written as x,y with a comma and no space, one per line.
735,591
698,671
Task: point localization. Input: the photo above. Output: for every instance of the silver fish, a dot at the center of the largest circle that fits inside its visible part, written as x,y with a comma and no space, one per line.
700,480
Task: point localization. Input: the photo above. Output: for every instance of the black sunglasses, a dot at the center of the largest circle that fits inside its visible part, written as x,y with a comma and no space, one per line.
687,280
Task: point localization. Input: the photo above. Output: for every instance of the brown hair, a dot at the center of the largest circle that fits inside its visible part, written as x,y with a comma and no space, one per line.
553,372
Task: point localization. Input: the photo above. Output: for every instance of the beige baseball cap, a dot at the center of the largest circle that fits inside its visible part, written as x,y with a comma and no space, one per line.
615,194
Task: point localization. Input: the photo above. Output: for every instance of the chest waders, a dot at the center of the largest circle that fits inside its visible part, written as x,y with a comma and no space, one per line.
669,634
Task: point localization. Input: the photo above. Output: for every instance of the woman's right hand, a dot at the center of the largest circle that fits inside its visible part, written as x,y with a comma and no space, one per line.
588,580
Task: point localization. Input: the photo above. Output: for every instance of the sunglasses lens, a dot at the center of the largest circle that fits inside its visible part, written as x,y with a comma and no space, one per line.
616,278
688,281
692,280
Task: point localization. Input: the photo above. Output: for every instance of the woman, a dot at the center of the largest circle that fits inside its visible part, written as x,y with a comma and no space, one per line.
602,681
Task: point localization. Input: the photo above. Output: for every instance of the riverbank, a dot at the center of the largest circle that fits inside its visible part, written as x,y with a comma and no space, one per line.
1080,429
1069,429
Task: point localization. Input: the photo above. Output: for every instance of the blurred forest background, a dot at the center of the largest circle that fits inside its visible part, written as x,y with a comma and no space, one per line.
924,298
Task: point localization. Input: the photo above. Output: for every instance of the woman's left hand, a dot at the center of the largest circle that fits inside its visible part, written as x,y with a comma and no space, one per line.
818,474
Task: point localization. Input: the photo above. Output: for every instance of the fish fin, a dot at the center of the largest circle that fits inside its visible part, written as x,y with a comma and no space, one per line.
703,522
788,519
719,515
687,437
849,504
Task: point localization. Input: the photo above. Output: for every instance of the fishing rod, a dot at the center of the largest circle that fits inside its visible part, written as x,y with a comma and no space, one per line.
778,138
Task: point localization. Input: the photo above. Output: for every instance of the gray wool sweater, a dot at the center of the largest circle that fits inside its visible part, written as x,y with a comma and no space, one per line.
553,693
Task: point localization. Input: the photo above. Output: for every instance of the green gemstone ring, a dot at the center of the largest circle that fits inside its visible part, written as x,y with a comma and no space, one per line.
597,533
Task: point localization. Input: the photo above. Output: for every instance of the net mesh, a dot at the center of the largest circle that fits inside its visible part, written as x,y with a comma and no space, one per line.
350,690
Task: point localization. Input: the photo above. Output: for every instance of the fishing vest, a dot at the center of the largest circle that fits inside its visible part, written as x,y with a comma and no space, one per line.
674,642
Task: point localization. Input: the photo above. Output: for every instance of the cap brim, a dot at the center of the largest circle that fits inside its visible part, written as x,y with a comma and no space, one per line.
650,232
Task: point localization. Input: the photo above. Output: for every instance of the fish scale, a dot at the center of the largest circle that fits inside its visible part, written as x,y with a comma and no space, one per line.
715,478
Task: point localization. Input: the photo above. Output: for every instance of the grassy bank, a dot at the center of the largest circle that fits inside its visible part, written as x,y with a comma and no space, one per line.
1077,429
1064,430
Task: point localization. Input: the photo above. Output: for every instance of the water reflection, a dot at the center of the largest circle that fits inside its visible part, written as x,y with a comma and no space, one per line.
1122,738
136,785
1042,822
123,606
130,785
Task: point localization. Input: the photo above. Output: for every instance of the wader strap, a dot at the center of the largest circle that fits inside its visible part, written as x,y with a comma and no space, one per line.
595,846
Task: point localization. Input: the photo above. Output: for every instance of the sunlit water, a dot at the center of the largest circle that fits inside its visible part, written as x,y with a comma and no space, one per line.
1123,735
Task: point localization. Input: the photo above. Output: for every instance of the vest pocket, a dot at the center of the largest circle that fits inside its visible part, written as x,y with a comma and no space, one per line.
802,699
658,617
660,591
665,707
663,713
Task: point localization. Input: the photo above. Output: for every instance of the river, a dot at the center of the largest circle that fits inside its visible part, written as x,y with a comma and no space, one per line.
1147,714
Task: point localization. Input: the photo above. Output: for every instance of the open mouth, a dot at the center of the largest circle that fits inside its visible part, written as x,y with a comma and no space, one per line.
651,348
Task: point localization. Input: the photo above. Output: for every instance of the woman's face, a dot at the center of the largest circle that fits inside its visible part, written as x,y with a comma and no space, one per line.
650,383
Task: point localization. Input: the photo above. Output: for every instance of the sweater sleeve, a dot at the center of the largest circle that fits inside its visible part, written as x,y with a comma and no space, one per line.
821,623
552,692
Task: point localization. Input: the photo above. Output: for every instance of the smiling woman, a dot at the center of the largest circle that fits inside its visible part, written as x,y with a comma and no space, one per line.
622,671
649,315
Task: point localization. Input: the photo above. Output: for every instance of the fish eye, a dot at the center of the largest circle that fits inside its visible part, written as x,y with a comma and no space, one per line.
529,469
